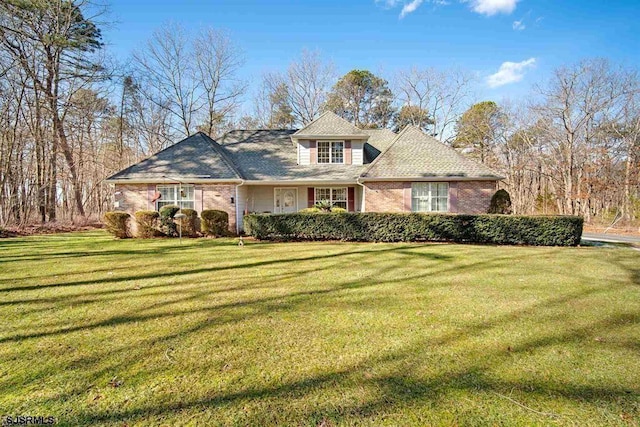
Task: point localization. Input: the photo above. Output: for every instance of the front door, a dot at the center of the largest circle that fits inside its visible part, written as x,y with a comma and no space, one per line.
286,200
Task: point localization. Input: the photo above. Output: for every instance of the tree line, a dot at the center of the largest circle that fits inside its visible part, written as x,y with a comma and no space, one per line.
70,115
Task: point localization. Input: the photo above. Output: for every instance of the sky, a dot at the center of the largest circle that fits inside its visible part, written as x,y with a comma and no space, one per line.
509,45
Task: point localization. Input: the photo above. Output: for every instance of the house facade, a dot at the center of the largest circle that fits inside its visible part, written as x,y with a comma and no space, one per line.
284,171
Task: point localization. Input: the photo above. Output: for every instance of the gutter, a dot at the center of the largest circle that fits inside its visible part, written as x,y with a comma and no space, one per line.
187,180
452,178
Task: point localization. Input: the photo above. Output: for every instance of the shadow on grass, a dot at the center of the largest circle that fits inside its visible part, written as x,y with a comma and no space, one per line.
398,385
395,375
163,273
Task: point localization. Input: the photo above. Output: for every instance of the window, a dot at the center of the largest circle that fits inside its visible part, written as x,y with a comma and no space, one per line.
330,152
176,194
336,196
430,197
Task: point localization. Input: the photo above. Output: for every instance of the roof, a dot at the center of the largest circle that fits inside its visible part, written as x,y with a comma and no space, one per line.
413,154
379,140
329,124
195,157
269,155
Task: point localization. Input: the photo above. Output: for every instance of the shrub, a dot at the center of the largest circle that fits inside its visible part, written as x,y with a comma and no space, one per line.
500,203
147,224
215,223
117,223
310,210
189,223
315,209
400,227
168,225
323,205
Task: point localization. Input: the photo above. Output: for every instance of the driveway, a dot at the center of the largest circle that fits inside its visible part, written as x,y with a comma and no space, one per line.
611,238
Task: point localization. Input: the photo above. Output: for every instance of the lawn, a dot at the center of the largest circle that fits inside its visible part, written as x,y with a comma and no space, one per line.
150,332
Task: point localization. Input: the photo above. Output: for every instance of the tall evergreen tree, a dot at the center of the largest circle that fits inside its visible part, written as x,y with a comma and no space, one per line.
362,98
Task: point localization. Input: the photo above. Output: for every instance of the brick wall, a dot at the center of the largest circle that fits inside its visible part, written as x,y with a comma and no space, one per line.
474,196
219,197
136,197
384,197
132,198
471,197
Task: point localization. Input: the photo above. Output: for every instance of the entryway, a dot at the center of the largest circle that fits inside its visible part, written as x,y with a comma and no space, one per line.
285,200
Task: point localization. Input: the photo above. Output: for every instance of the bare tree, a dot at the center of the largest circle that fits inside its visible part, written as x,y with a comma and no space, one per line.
443,94
577,101
309,80
52,42
165,71
217,62
273,103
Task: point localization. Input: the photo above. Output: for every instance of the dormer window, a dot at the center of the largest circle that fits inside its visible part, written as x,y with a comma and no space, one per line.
330,151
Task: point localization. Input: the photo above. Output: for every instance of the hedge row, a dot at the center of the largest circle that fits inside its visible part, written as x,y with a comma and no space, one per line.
400,227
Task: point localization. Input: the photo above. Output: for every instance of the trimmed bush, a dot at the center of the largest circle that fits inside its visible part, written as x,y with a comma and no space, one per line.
500,203
168,225
310,210
147,224
214,223
189,223
117,223
315,209
400,227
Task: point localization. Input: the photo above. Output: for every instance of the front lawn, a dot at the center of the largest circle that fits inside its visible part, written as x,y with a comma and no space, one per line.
149,332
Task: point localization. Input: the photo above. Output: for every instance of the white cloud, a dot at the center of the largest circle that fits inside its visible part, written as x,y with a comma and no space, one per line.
519,25
510,72
410,7
492,7
388,3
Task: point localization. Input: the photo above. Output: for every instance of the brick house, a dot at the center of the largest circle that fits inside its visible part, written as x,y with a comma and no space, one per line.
284,171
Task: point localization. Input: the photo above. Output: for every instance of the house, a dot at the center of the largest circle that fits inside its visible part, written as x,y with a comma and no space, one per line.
284,171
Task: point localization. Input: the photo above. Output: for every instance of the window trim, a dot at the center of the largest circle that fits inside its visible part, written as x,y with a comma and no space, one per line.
331,199
331,143
430,197
177,198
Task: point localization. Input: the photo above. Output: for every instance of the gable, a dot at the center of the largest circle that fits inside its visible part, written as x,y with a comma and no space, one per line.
415,155
330,125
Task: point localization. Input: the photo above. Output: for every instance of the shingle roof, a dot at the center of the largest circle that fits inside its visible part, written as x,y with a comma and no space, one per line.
195,157
379,140
329,124
269,155
413,154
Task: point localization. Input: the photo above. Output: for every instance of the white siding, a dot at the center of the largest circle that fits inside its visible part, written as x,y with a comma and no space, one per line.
357,152
260,197
359,200
241,204
304,152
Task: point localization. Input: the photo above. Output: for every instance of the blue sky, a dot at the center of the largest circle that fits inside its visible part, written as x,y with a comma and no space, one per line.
509,44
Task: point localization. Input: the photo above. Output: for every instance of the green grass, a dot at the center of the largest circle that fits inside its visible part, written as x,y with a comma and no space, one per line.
149,332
